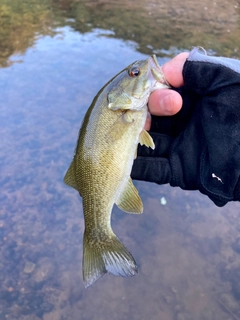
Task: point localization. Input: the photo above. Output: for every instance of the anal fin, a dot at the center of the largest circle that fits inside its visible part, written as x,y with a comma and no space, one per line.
129,200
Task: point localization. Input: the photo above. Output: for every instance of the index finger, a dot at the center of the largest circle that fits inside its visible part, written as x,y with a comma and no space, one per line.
173,69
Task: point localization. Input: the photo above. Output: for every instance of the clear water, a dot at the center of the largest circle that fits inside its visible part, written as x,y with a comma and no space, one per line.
55,56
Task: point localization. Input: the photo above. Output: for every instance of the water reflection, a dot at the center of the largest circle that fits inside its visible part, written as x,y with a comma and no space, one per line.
164,28
187,250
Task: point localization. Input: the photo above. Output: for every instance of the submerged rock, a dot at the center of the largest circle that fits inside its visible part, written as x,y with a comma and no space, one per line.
29,267
43,272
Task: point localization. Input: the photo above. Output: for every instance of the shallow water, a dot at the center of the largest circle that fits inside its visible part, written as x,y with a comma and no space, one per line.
55,56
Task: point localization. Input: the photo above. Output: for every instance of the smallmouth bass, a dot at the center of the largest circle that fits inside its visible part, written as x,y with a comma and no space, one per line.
100,170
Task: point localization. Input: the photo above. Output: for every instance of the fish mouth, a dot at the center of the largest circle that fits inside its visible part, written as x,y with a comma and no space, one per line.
155,60
157,72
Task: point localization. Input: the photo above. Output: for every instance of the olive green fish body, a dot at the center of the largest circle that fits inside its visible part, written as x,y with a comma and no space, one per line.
101,167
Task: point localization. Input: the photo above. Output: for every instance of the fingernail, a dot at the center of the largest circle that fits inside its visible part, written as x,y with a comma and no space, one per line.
166,105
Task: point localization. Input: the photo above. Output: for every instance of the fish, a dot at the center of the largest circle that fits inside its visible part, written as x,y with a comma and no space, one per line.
112,128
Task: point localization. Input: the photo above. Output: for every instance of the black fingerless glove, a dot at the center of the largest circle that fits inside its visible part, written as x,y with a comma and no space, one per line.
199,148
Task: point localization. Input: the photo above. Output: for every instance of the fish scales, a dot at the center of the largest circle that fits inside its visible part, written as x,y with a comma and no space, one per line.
100,170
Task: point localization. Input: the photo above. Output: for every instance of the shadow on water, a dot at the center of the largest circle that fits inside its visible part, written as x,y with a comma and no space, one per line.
55,56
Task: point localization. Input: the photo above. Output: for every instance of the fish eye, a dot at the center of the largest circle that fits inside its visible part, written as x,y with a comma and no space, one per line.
134,72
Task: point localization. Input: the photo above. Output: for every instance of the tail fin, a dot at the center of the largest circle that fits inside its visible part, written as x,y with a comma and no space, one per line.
113,258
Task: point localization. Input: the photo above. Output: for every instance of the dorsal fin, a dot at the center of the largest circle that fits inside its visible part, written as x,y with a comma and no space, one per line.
69,178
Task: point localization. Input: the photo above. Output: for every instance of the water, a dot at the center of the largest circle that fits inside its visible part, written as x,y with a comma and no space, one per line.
55,56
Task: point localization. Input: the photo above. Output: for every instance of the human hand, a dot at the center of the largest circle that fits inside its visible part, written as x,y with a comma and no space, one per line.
167,102
198,147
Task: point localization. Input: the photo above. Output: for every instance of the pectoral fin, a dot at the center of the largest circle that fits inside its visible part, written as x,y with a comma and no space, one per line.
146,139
129,200
69,178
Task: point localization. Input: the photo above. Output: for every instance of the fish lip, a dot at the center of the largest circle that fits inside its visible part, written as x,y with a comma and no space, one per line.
154,63
155,60
157,72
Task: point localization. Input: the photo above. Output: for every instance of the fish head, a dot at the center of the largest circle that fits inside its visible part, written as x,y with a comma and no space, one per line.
144,76
131,88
